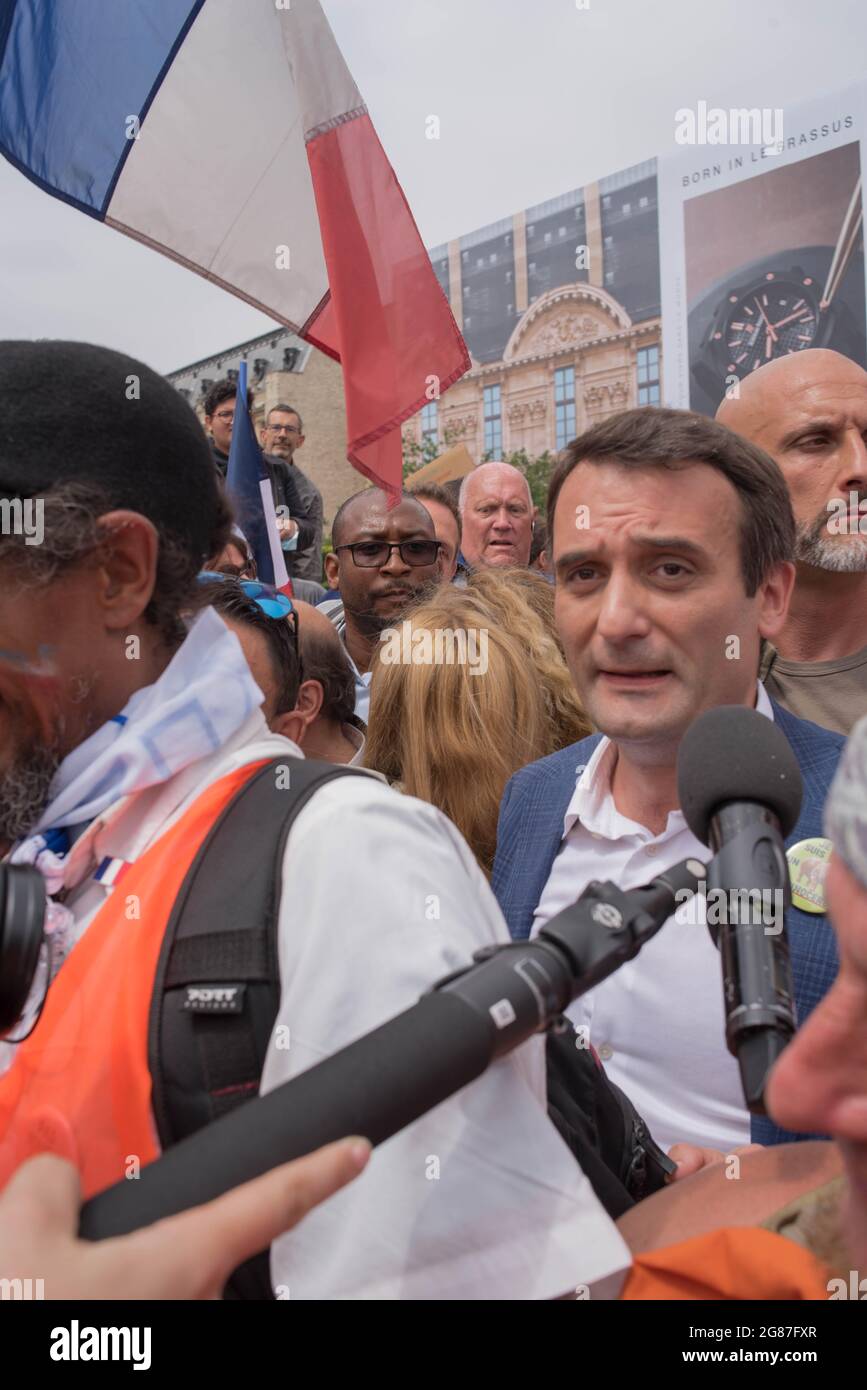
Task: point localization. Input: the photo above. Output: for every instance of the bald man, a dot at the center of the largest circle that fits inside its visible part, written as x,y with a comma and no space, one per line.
809,412
383,560
325,725
497,515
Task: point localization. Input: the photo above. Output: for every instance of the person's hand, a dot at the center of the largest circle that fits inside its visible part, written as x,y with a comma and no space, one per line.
286,527
186,1256
690,1158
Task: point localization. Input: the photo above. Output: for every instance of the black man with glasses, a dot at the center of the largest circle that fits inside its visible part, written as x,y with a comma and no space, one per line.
383,561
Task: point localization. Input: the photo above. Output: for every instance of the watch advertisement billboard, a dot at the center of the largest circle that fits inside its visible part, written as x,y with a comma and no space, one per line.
761,241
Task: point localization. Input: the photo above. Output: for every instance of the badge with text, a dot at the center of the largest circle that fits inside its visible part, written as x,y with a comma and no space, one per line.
808,866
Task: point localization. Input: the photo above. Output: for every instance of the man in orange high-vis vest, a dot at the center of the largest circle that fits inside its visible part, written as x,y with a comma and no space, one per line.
123,732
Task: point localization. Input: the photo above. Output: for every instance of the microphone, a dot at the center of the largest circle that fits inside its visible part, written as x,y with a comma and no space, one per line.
740,792
383,1081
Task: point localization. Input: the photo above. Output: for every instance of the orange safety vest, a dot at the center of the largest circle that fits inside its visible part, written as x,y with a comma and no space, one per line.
735,1262
80,1084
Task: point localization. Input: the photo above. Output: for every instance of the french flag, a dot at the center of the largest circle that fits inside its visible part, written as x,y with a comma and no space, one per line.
249,487
230,135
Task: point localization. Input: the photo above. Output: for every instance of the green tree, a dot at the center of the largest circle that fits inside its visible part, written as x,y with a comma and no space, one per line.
416,455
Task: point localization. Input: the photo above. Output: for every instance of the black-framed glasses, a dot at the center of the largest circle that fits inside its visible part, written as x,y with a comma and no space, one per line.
372,555
283,429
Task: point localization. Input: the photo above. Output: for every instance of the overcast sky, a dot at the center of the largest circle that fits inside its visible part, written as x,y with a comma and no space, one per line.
533,96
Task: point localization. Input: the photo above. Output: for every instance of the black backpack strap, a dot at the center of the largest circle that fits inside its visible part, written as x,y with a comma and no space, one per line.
217,985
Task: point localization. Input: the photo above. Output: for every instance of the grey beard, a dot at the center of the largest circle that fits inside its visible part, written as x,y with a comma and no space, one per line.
24,791
836,555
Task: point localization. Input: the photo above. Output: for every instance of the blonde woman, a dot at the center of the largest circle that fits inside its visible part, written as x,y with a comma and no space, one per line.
460,700
510,593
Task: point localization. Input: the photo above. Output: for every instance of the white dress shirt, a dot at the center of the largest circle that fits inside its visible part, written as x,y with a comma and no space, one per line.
658,1022
480,1198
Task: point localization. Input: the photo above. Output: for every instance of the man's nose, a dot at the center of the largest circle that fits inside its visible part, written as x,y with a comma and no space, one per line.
622,615
503,520
852,470
395,564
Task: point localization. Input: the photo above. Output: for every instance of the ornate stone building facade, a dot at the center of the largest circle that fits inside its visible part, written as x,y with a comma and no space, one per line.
559,307
573,358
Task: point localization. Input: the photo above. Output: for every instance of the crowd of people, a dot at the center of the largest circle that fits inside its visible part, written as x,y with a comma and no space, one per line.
489,706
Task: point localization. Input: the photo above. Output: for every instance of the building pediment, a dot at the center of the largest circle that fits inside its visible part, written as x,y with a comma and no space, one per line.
566,318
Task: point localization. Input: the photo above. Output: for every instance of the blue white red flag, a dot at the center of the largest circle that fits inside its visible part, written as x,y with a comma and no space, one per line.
230,135
252,497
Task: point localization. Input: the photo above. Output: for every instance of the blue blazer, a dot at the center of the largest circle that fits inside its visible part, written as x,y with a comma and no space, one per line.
531,828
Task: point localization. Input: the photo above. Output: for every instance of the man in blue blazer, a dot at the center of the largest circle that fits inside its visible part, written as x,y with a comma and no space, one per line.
672,541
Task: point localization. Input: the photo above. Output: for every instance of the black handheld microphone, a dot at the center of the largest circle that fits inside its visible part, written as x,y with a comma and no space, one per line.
388,1078
740,791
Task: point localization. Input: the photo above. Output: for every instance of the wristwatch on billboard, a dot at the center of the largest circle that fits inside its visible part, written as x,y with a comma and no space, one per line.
808,298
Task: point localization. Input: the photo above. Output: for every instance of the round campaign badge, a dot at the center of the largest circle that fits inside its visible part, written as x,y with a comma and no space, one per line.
808,865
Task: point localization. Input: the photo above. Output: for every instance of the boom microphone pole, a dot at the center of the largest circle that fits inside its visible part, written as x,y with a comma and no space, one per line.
388,1078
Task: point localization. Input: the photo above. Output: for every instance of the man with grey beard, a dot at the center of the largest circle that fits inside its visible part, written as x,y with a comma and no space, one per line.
809,412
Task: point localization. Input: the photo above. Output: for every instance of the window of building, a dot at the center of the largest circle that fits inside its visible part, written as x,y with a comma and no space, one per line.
564,405
493,420
430,422
492,259
547,238
606,201
561,231
627,208
531,229
608,242
609,277
480,261
643,202
647,365
508,277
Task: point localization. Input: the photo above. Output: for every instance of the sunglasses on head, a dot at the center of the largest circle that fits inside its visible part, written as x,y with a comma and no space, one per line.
272,602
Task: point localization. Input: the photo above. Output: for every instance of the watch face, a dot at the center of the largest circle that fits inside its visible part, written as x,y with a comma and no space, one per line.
779,314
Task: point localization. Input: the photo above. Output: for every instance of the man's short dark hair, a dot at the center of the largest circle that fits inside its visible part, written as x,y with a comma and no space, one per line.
326,661
436,493
539,540
287,410
225,390
652,436
229,598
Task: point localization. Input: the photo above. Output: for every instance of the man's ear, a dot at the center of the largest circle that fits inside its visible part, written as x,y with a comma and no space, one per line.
332,570
774,595
127,568
295,722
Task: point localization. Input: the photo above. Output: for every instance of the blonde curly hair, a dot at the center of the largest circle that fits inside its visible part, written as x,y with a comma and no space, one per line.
454,736
511,593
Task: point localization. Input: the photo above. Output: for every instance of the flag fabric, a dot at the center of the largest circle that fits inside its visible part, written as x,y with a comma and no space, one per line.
249,487
230,135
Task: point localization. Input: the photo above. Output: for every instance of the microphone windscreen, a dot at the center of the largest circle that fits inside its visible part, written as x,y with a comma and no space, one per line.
736,754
